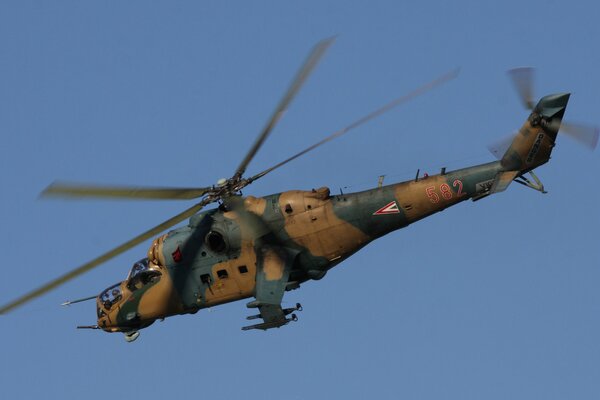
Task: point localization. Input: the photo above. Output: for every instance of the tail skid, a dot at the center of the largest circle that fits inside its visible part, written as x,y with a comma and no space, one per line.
535,185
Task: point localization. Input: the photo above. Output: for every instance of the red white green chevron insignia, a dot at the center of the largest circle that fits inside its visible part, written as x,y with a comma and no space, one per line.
390,208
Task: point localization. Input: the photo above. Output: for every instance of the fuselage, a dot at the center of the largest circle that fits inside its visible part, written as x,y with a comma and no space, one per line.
260,247
213,259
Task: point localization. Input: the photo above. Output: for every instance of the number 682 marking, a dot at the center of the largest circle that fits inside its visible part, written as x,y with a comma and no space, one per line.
445,191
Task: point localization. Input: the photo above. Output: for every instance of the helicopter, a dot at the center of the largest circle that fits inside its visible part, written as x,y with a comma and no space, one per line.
260,247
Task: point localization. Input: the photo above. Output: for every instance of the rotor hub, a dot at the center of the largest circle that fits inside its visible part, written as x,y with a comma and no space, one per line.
222,182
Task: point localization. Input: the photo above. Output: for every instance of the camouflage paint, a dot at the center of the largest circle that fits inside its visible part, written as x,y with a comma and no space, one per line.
263,246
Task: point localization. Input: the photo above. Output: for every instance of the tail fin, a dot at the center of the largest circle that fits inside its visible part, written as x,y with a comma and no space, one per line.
533,144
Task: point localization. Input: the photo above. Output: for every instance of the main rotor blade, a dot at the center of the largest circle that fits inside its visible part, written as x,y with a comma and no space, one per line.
583,134
523,78
308,66
415,93
104,257
72,190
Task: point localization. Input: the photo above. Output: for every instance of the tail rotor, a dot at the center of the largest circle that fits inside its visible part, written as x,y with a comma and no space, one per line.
523,80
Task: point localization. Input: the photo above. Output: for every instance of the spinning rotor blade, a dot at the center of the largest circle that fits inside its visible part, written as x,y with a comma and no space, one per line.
584,134
104,257
59,189
297,83
415,93
499,147
522,78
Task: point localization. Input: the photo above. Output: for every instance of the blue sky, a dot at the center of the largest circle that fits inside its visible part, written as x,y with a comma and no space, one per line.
495,299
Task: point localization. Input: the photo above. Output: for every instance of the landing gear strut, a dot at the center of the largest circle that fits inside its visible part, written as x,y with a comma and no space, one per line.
536,185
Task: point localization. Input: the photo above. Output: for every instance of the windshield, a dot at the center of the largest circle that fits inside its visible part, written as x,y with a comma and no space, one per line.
141,274
111,296
138,267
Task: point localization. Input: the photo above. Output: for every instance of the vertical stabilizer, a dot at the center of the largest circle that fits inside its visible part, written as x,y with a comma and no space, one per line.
533,144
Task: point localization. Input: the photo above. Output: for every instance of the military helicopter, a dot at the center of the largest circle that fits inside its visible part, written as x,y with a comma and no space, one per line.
261,247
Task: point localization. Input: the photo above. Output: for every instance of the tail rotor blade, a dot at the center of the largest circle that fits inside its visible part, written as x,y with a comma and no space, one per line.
500,147
523,79
585,135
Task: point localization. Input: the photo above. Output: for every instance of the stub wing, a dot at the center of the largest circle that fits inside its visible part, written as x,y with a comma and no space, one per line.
273,316
274,264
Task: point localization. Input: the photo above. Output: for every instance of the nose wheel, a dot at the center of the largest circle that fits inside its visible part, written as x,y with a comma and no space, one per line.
131,336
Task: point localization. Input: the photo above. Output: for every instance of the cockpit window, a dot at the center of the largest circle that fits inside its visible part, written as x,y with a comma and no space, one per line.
141,275
138,267
111,296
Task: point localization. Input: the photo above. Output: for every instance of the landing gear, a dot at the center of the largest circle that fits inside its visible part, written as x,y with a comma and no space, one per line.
131,336
536,185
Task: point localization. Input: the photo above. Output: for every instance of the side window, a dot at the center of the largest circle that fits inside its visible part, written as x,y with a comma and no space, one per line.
141,279
205,278
222,274
111,296
243,269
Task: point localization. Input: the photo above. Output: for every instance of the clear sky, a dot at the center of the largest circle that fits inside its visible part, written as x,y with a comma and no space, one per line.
490,300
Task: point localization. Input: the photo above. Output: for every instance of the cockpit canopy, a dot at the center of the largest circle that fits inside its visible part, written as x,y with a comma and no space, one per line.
111,296
142,274
138,267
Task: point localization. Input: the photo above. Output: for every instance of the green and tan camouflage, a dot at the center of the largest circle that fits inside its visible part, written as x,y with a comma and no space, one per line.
257,248
262,247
